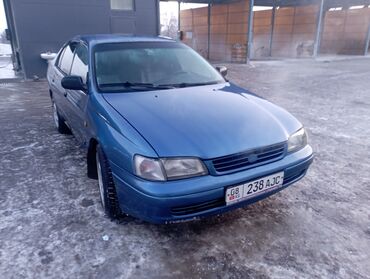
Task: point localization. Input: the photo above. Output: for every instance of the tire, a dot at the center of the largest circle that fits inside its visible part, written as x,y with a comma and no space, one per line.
107,189
59,121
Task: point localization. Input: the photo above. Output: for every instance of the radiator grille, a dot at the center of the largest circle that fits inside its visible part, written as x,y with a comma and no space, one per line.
250,158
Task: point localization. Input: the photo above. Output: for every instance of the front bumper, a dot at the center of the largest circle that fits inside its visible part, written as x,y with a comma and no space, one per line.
188,199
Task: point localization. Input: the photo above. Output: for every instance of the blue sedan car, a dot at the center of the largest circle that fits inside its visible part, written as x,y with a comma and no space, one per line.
167,137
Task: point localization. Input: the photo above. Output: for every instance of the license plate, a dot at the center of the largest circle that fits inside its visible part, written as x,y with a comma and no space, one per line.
254,188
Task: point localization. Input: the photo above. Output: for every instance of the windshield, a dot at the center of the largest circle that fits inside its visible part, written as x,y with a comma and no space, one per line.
150,66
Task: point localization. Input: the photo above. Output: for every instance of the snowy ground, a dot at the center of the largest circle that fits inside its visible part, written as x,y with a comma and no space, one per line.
6,66
51,224
6,69
5,49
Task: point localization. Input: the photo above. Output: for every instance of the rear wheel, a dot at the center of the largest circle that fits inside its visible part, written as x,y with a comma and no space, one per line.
107,189
59,121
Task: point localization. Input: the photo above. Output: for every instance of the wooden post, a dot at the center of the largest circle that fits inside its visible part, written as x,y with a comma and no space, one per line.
318,29
250,31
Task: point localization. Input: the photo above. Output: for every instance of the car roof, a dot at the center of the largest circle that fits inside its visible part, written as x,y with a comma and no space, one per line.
118,38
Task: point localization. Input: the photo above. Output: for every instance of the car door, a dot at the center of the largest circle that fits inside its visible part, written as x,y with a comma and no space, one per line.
77,99
52,76
61,69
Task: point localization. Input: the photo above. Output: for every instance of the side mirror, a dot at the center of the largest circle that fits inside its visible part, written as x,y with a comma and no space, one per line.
222,70
180,35
73,83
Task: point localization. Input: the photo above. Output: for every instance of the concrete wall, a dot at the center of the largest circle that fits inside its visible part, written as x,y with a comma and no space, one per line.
194,23
228,31
345,31
261,33
294,32
44,25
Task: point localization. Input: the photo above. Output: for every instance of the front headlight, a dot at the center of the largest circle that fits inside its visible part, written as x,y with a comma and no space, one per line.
182,168
297,141
168,168
148,168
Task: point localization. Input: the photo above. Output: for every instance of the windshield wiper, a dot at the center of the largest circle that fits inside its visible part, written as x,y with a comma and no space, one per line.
188,84
137,86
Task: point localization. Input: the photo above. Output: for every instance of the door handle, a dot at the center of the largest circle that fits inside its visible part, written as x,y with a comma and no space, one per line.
65,94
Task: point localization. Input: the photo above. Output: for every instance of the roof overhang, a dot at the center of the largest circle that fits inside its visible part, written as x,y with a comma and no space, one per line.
285,3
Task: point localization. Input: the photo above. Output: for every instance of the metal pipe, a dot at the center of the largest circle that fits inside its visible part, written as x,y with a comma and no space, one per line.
272,26
318,29
158,18
209,30
17,57
250,31
367,42
178,19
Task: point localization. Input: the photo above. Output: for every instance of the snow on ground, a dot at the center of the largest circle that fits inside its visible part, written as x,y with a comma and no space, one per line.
5,49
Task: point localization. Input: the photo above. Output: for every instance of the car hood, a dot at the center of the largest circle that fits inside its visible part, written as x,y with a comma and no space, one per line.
205,121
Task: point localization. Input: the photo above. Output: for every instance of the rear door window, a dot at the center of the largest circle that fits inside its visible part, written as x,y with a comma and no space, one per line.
59,61
66,61
80,63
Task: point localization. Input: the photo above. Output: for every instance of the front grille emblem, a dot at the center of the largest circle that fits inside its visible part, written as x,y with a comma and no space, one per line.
252,158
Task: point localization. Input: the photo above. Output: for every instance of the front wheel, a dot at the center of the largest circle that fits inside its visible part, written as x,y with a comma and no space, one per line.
107,189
